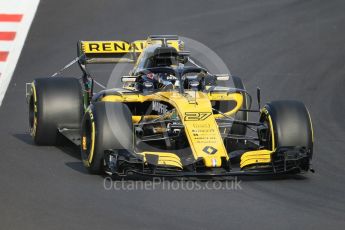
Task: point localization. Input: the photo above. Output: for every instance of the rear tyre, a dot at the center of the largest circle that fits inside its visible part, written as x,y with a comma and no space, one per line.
54,103
105,126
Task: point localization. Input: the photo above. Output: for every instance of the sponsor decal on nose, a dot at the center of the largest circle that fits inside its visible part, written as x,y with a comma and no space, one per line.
209,150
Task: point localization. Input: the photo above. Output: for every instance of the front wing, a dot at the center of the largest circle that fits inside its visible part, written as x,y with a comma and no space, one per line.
284,161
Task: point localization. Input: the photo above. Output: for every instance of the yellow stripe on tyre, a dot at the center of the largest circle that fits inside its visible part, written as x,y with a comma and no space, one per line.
34,125
265,111
93,136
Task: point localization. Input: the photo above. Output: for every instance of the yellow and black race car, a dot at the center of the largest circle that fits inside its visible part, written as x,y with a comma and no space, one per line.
169,118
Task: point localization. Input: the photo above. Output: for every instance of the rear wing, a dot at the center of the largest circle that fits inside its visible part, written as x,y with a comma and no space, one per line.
122,51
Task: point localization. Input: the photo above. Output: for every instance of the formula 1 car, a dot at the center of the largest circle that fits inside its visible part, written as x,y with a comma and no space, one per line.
170,118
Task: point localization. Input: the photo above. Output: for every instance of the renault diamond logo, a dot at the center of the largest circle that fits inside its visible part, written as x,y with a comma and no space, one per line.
209,150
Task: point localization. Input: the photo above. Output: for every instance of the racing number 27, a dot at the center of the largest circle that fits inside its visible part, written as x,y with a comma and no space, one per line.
196,116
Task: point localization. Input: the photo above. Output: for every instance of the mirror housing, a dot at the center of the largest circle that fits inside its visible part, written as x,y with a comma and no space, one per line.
222,77
128,79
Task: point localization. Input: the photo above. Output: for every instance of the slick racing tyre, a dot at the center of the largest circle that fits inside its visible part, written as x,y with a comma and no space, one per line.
54,103
105,126
289,125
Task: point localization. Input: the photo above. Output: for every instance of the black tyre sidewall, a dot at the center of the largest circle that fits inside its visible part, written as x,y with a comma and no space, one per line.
291,124
59,104
108,129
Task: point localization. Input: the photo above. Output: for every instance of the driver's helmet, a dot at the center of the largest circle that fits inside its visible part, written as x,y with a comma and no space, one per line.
146,82
151,81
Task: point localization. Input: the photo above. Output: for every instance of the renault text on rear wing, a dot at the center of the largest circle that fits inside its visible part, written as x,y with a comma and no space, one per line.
115,51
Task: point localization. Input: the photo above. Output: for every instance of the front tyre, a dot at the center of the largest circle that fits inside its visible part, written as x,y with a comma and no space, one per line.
105,126
289,125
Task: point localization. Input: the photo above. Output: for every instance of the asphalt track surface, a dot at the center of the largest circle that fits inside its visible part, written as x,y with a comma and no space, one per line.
291,49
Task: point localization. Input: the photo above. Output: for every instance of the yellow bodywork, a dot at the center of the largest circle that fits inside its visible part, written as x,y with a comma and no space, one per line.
195,111
164,159
256,157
